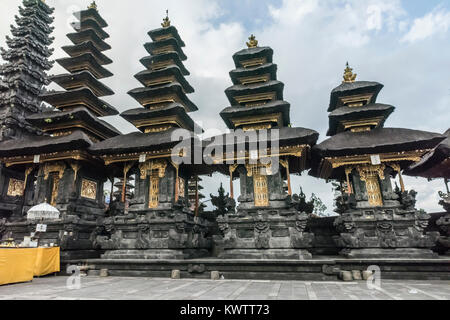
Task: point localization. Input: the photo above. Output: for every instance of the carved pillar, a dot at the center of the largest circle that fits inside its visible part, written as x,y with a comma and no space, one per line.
197,200
285,164
397,168
232,170
126,168
75,167
349,185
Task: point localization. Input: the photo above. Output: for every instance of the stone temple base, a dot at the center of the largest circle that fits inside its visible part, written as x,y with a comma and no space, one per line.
163,254
269,254
401,253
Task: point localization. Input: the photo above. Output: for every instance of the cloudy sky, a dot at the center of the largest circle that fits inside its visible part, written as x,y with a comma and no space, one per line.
403,44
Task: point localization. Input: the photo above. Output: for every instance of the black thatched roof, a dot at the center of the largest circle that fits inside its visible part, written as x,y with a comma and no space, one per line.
241,90
268,68
91,24
43,120
91,14
286,137
432,165
66,81
149,60
253,53
44,144
152,46
87,47
86,35
165,31
172,70
376,141
138,142
87,61
351,113
139,114
277,106
354,88
140,94
99,107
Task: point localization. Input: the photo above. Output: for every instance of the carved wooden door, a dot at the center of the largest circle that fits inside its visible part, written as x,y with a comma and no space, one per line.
261,189
374,191
154,190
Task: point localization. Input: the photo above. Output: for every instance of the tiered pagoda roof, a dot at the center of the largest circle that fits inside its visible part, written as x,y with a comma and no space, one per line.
165,105
164,95
194,188
80,104
75,124
357,130
24,73
257,104
256,96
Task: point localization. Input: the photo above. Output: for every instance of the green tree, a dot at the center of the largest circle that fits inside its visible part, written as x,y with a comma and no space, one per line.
221,202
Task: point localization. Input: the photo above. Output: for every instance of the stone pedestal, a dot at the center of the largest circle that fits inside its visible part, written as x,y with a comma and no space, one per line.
385,233
264,234
74,236
159,234
444,224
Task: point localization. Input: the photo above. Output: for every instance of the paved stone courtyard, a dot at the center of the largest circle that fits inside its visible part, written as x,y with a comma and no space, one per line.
112,288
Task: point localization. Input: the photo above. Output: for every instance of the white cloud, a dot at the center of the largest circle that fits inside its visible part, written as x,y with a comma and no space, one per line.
437,21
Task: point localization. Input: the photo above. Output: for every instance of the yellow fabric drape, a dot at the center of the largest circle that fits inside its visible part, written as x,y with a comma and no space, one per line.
47,261
21,265
17,265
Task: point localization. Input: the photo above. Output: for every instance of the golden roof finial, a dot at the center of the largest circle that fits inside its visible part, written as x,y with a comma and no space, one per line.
349,76
166,21
253,43
93,5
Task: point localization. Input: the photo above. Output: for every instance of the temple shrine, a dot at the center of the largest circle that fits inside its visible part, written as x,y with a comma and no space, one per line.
265,151
22,78
159,221
375,218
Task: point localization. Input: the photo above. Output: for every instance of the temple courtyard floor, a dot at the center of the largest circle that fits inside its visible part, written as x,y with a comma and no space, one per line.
118,288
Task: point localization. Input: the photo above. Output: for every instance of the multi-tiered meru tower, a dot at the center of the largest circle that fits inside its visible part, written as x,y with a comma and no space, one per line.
22,79
58,168
376,220
262,151
159,223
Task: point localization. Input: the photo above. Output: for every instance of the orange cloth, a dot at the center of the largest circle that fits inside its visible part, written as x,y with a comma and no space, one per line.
17,265
47,261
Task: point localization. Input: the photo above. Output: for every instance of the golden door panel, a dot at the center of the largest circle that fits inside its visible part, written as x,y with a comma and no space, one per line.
154,192
261,190
16,188
55,188
374,191
89,189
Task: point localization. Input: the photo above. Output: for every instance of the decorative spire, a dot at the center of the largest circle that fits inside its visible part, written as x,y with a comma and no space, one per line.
349,76
253,43
93,5
166,21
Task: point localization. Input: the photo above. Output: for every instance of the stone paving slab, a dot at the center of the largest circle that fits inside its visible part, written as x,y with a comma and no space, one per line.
115,288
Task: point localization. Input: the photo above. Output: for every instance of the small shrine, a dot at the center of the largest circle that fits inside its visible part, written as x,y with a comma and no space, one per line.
262,151
159,220
376,219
